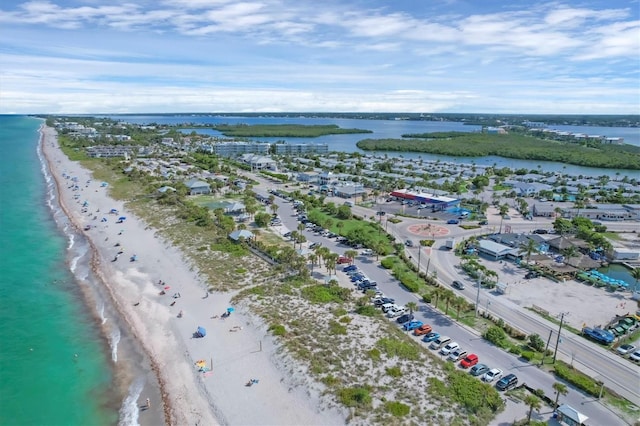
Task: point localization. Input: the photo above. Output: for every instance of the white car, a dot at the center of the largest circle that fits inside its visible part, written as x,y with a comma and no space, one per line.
457,355
491,375
635,357
626,349
396,312
448,348
367,252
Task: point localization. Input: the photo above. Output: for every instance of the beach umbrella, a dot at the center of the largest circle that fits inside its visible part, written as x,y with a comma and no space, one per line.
122,218
167,287
230,309
202,332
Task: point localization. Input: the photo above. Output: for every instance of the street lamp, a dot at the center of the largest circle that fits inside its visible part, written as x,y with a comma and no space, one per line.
487,306
555,352
419,254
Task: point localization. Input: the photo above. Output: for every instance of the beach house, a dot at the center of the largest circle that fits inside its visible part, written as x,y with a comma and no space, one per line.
196,187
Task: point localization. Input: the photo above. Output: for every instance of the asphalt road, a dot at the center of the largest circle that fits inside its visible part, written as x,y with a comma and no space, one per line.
618,374
469,339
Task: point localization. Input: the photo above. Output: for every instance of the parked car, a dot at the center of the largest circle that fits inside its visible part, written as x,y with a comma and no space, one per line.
423,329
635,357
314,245
483,222
469,361
388,306
350,268
439,342
448,348
626,349
509,381
383,300
457,355
491,375
404,318
344,259
367,252
531,274
430,337
479,369
412,325
599,335
396,312
540,231
457,284
453,222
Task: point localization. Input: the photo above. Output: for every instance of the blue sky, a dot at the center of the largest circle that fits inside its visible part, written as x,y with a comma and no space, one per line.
94,56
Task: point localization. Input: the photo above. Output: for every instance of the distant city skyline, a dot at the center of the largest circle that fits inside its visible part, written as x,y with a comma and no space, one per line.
520,57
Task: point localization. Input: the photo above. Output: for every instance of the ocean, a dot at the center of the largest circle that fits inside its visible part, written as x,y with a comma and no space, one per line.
56,365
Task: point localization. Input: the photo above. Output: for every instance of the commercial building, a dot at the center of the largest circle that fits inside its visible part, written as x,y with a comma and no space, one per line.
301,148
438,202
235,149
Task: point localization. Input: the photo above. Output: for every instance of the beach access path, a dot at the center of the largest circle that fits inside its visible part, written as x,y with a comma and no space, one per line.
235,349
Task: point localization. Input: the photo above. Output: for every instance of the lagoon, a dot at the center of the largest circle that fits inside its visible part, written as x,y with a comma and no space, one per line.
395,129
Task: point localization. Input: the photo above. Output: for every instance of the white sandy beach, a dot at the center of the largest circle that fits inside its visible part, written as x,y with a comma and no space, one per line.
232,344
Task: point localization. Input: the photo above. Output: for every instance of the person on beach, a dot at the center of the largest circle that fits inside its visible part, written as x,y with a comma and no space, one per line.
148,403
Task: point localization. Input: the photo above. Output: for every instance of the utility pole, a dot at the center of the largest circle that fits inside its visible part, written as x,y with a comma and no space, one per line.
546,347
419,254
428,263
558,339
478,295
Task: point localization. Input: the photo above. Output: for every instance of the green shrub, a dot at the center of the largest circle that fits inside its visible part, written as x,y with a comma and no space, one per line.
426,297
495,335
427,243
528,355
374,354
472,393
345,319
355,397
576,378
388,262
515,350
394,371
368,311
340,312
227,246
396,408
394,347
330,380
320,293
536,342
277,329
337,328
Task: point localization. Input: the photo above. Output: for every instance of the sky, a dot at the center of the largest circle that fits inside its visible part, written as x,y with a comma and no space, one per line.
428,56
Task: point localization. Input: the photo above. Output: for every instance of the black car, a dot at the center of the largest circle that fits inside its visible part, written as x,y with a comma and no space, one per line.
531,274
383,300
509,381
457,284
404,318
540,231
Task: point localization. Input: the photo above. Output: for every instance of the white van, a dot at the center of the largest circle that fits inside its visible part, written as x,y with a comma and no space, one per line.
348,203
439,342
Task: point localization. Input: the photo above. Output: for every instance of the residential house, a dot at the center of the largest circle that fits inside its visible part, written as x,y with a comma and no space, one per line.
196,187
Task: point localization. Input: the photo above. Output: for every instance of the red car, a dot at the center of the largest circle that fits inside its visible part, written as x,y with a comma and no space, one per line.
423,329
469,361
344,259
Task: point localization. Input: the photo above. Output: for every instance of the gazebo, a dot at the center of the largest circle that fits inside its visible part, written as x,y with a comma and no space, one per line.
569,416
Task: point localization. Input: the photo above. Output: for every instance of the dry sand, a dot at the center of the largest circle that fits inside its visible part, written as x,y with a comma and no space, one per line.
233,344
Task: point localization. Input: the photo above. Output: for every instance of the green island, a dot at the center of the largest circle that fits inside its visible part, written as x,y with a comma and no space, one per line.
283,130
511,145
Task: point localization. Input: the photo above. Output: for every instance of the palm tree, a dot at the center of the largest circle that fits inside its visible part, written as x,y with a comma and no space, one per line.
636,275
560,388
448,296
570,252
534,403
459,303
437,293
529,247
301,227
313,258
412,306
351,254
274,208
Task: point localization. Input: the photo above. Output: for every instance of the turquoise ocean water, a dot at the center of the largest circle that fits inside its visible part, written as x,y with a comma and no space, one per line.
55,363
